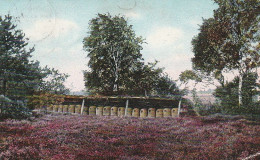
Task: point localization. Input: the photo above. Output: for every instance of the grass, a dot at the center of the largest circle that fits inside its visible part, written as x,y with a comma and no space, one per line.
93,137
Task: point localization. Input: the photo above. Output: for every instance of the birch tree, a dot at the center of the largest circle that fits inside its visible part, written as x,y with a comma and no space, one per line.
229,40
113,49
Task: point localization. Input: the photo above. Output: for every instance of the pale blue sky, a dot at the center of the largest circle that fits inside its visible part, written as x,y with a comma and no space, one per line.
57,28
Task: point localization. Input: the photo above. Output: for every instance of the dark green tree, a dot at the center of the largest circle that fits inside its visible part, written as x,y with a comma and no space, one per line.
144,79
114,50
228,94
167,87
229,40
19,76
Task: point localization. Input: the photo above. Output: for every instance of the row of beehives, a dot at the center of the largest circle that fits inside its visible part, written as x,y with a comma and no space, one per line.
114,111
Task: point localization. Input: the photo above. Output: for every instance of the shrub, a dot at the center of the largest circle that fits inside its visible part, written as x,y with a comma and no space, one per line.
228,95
13,110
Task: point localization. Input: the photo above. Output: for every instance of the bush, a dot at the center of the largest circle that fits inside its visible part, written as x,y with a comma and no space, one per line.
228,95
251,111
13,110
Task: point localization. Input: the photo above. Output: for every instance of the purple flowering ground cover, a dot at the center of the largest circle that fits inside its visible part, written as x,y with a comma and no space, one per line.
96,137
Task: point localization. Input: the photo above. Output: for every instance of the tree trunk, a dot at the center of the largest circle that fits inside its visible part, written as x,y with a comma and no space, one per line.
115,89
240,89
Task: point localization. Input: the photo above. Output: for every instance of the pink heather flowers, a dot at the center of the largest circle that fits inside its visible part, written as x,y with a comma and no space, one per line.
96,137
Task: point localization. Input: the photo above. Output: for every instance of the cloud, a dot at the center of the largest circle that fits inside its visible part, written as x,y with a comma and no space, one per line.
164,36
133,15
51,27
58,45
170,47
70,60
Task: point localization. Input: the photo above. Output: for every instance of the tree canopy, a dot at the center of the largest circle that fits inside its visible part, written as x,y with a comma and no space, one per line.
229,40
19,75
116,63
113,49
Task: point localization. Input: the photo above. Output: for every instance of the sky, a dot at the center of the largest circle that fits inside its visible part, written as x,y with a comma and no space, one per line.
57,27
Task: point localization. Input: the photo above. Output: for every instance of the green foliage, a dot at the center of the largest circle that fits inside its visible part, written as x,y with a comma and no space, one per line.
114,50
207,55
116,64
228,95
147,79
19,76
13,110
185,77
143,79
167,87
54,82
189,75
229,40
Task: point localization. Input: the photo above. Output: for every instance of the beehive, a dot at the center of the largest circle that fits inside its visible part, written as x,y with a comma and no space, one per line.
151,112
71,108
136,112
143,113
114,111
107,111
50,108
60,109
129,112
99,111
55,108
166,112
78,109
121,111
159,113
92,110
175,112
65,108
85,110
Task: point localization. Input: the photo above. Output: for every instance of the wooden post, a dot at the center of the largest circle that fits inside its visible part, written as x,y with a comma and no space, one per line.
82,106
179,108
126,107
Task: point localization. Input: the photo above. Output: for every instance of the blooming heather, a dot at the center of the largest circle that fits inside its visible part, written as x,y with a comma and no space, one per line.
96,137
